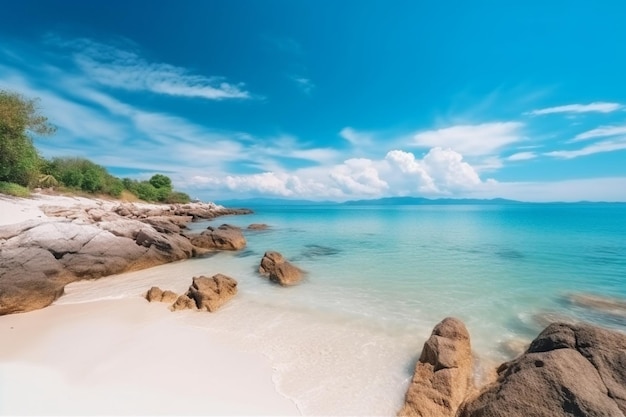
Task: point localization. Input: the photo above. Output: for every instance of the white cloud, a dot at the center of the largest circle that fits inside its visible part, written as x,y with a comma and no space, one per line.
127,70
595,107
358,176
522,156
600,132
472,140
441,171
598,147
305,84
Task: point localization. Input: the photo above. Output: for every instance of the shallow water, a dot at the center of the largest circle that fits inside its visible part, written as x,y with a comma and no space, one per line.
379,278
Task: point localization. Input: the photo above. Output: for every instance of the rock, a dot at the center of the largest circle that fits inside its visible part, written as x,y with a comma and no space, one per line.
123,227
183,303
163,224
155,294
210,293
223,238
167,248
568,370
258,226
30,279
443,374
607,305
279,270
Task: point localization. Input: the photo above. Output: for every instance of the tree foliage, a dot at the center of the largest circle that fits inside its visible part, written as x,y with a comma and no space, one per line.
19,118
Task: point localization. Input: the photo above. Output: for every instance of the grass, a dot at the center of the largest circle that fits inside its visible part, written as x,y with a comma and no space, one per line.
14,190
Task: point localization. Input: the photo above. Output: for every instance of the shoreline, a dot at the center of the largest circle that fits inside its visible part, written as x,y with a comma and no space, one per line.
81,355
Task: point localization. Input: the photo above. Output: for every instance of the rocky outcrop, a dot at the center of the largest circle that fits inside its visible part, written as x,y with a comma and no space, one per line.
39,257
155,294
224,237
210,293
443,374
279,270
568,370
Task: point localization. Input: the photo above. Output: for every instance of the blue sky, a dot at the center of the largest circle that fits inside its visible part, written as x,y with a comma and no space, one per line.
332,100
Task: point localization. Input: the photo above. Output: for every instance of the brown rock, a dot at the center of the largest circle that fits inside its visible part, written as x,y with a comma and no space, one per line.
279,270
568,370
224,237
155,294
30,279
182,303
210,293
443,374
258,226
169,296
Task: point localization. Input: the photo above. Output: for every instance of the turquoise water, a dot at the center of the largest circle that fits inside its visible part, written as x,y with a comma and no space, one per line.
499,268
345,341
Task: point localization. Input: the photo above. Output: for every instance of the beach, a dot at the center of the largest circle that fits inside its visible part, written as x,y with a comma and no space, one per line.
342,342
122,356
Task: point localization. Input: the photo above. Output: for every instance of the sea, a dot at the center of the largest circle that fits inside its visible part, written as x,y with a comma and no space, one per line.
378,278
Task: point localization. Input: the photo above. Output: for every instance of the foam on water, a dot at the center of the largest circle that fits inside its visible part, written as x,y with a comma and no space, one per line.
346,340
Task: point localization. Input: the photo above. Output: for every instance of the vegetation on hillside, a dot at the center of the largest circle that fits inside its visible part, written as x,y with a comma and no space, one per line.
21,166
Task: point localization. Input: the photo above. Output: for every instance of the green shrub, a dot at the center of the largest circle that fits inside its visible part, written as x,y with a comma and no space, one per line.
176,197
16,190
146,191
19,118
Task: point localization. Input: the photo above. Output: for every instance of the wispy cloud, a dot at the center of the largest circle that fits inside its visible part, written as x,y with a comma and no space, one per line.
595,107
522,156
600,132
473,140
598,147
127,70
354,137
305,84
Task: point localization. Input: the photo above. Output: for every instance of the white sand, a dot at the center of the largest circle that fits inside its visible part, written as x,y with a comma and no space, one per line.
127,357
122,357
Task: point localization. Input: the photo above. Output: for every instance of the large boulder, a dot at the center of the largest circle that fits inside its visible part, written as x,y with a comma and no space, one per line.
30,279
210,293
224,237
274,266
568,370
443,374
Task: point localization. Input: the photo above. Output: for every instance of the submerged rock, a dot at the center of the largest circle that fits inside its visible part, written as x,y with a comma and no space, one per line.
568,370
258,226
279,270
606,305
443,374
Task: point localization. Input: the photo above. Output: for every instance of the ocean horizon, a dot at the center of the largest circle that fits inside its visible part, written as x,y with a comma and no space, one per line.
378,278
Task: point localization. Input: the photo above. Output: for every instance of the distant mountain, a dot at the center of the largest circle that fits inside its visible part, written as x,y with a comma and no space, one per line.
416,201
255,202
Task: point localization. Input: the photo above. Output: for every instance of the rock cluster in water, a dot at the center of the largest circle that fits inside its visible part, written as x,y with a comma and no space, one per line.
205,293
39,257
568,370
279,270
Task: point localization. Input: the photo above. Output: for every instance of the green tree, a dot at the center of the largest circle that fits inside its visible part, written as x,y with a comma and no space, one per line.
19,118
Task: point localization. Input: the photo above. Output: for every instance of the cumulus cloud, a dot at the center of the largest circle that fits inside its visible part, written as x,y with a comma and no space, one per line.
595,107
358,176
441,171
472,140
